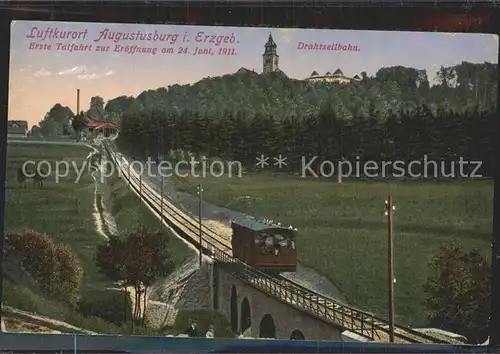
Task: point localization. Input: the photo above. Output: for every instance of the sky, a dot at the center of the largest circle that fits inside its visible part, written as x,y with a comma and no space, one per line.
41,78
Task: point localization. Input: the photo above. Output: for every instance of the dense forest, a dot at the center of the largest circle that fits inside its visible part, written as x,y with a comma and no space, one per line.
397,114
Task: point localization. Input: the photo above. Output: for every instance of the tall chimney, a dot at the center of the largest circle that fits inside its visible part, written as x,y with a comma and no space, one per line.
77,101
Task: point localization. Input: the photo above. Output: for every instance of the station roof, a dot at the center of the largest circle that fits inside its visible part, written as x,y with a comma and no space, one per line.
96,123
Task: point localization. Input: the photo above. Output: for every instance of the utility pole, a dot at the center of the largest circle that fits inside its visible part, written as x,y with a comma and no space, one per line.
78,133
390,255
161,204
200,200
339,173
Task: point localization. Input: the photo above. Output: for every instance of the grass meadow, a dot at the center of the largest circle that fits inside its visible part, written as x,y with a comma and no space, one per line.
64,211
343,230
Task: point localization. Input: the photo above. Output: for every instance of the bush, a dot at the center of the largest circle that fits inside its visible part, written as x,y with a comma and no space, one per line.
204,319
458,292
53,266
111,305
67,285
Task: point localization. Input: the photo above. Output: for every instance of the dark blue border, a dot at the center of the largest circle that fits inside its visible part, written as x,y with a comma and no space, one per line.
51,343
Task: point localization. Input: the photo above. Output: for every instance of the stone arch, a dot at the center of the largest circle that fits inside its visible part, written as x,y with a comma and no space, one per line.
245,315
267,328
234,309
297,335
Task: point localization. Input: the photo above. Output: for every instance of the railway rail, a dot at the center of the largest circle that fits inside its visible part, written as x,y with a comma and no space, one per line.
289,292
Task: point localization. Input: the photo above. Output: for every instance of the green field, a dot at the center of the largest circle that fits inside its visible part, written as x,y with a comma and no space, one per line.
62,210
343,230
65,210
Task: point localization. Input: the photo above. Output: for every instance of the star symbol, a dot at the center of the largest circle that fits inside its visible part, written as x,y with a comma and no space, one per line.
262,161
280,161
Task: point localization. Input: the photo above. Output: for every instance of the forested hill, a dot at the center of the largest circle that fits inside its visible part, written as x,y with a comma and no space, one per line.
399,88
215,115
458,88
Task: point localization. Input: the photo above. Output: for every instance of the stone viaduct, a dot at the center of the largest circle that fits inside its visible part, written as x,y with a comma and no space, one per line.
259,315
250,311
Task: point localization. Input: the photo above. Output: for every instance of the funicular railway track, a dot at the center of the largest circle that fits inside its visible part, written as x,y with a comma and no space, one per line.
279,287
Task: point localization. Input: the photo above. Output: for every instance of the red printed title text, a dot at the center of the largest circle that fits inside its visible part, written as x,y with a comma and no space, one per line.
155,42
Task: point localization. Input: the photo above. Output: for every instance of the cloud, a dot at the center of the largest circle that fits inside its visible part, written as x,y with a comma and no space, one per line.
87,76
42,73
94,75
80,69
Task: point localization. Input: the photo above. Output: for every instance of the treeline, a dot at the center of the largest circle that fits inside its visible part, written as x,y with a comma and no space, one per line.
444,136
392,89
246,95
394,115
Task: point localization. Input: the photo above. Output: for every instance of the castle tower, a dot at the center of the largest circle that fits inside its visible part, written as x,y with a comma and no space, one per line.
270,57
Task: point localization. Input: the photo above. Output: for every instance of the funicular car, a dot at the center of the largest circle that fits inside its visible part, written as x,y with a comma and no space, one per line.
264,245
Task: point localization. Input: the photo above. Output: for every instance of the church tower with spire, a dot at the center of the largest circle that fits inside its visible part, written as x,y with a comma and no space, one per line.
270,57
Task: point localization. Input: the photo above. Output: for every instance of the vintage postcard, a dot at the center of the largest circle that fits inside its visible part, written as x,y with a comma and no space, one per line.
228,182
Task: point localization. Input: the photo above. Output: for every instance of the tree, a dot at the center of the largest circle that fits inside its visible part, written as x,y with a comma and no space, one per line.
35,131
115,108
136,258
96,110
79,123
57,121
446,75
458,292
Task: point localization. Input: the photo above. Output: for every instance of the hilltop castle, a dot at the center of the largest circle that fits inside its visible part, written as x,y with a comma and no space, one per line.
270,63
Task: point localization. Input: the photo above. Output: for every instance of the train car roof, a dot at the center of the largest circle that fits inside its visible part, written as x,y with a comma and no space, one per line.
258,225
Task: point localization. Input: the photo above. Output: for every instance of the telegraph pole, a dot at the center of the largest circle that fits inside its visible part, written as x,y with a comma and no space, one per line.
161,205
200,199
339,177
390,255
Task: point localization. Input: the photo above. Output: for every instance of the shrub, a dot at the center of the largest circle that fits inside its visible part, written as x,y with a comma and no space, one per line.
111,305
67,286
53,266
37,255
458,292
